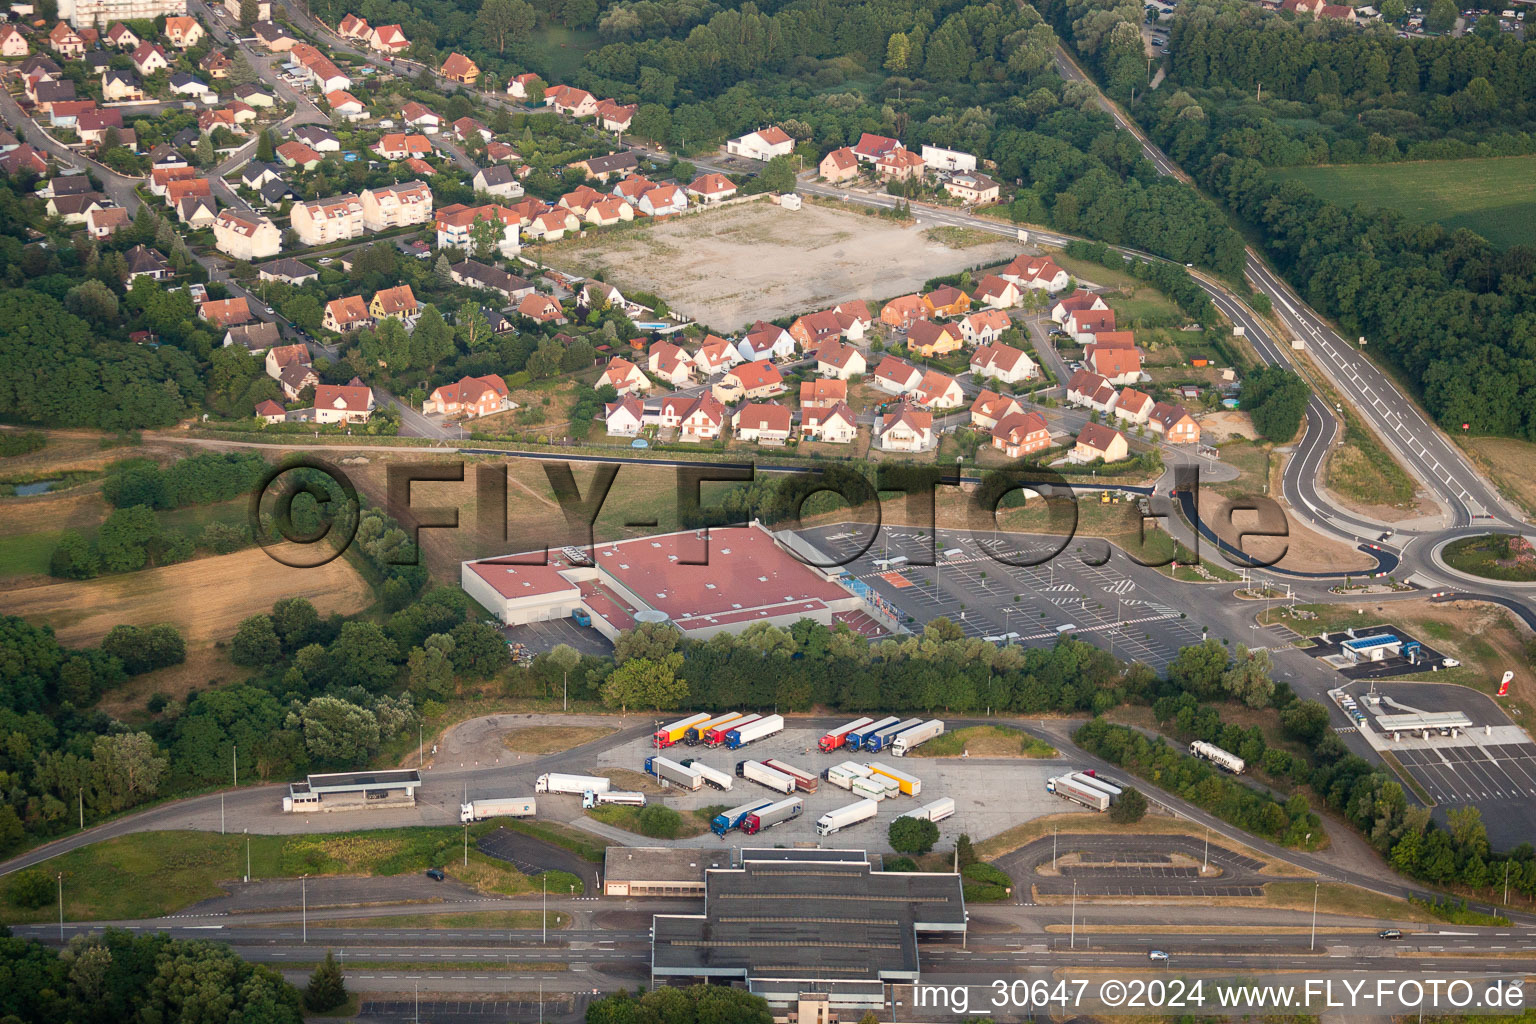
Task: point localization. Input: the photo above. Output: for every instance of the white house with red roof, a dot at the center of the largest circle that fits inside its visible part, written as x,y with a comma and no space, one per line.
766,341
1083,324
470,397
520,85
839,165
571,101
663,201
990,408
763,422
834,424
1097,441
758,379
1003,363
615,116
1091,391
1035,272
1078,300
997,292
668,362
711,188
938,391
343,403
624,418
1134,407
695,419
835,359
763,144
905,429
871,148
984,326
1117,365
896,376
389,39
716,355
624,375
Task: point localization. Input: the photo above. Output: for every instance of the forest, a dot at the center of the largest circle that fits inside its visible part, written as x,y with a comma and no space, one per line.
1448,311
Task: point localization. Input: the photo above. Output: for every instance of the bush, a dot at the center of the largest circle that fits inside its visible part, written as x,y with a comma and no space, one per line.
913,835
1130,808
30,889
12,443
901,864
983,883
660,822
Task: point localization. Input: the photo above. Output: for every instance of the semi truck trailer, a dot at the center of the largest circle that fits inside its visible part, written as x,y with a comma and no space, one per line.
876,742
871,788
1109,789
834,739
589,799
1218,757
1067,788
727,820
805,782
843,817
677,774
555,782
507,807
740,735
937,811
717,736
846,774
909,738
855,738
696,734
670,734
773,814
756,771
712,776
910,785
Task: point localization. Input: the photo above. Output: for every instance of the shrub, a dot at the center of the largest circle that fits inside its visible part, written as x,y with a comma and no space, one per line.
913,835
660,822
983,883
30,889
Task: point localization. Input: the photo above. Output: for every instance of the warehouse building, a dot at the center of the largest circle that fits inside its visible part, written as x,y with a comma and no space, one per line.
659,870
353,791
790,922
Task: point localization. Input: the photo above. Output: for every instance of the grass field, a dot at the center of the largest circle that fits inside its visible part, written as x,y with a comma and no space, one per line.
985,741
177,869
1489,196
549,739
1508,462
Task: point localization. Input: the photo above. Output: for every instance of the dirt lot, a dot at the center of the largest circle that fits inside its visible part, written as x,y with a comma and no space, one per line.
1216,427
727,268
206,598
1508,461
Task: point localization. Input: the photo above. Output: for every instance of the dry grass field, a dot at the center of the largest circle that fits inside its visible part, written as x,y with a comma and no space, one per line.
727,268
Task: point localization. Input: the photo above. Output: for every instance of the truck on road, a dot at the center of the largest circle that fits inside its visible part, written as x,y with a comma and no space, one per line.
677,774
773,814
805,782
697,734
717,736
1218,757
1066,787
846,774
909,738
590,799
855,738
843,817
670,734
555,782
878,741
506,807
761,774
834,739
727,820
937,811
740,735
910,785
712,776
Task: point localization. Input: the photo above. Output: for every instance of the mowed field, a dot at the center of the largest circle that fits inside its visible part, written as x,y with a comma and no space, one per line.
727,268
1492,197
206,598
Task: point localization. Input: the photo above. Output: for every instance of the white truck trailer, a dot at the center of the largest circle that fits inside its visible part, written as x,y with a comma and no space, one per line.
1068,788
935,812
677,774
505,807
1109,789
846,774
843,817
756,771
589,799
1220,758
712,776
555,782
918,734
872,788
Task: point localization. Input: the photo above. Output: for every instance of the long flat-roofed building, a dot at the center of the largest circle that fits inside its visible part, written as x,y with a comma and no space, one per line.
352,791
748,576
660,870
792,921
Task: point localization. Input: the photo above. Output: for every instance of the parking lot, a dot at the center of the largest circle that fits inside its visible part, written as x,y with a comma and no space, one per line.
1329,645
541,637
1128,609
1131,866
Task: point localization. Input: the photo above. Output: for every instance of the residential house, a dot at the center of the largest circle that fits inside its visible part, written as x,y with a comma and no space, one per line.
905,429
349,313
400,146
763,422
1114,339
899,165
839,165
929,339
989,408
417,116
766,341
322,73
455,227
209,120
905,310
281,356
1035,272
65,41
12,43
938,391
67,114
295,377
296,154
984,327
763,144
1003,363
389,39
632,188
256,338
1021,434
69,185
256,174
812,329
624,418
608,211
972,188
870,148
394,206
226,312
1083,324
146,262
834,424
163,157
150,58
343,403
345,105
947,300
551,225
520,87
716,355
184,32
275,193
580,199
215,64
74,209
896,376
318,138
23,160
92,125
263,9
103,223
822,393
668,362
1134,407
472,274
625,377
663,201
46,92
121,37
288,271
695,419
570,101
322,221
758,379
398,302
197,212
1097,442
541,309
465,127
353,27
274,37
615,116
949,161
1174,424
500,152
120,87
470,397
711,188
998,293
1079,300
857,310
269,411
1117,365
840,361
1091,391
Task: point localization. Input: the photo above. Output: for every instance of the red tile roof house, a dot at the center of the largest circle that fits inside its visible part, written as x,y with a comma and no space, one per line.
758,379
270,412
766,341
1114,339
695,419
624,376
1085,323
871,148
541,308
1133,407
569,100
624,418
811,330
1174,424
716,355
990,408
903,310
984,327
670,363
1117,365
1021,434
349,313
460,68
343,403
282,356
1035,272
839,165
615,116
822,392
1078,300
834,424
711,188
998,293
225,312
1097,441
906,429
764,144
1088,389
896,376
834,359
899,165
1003,363
470,397
939,391
418,116
763,422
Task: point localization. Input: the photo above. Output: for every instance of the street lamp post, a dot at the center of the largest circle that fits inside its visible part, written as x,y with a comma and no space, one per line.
1074,915
1315,887
304,908
61,906
544,916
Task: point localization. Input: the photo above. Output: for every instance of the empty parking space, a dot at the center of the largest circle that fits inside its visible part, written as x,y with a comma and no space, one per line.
1134,889
541,637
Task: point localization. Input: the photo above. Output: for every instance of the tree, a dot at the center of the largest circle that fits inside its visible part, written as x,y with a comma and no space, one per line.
204,151
126,770
363,655
124,538
471,326
327,990
660,822
143,648
964,852
912,835
296,622
255,643
485,236
1130,808
30,889
430,667
337,731
501,19
266,149
92,300
73,558
778,175
563,658
1442,16
646,683
1392,11
898,52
